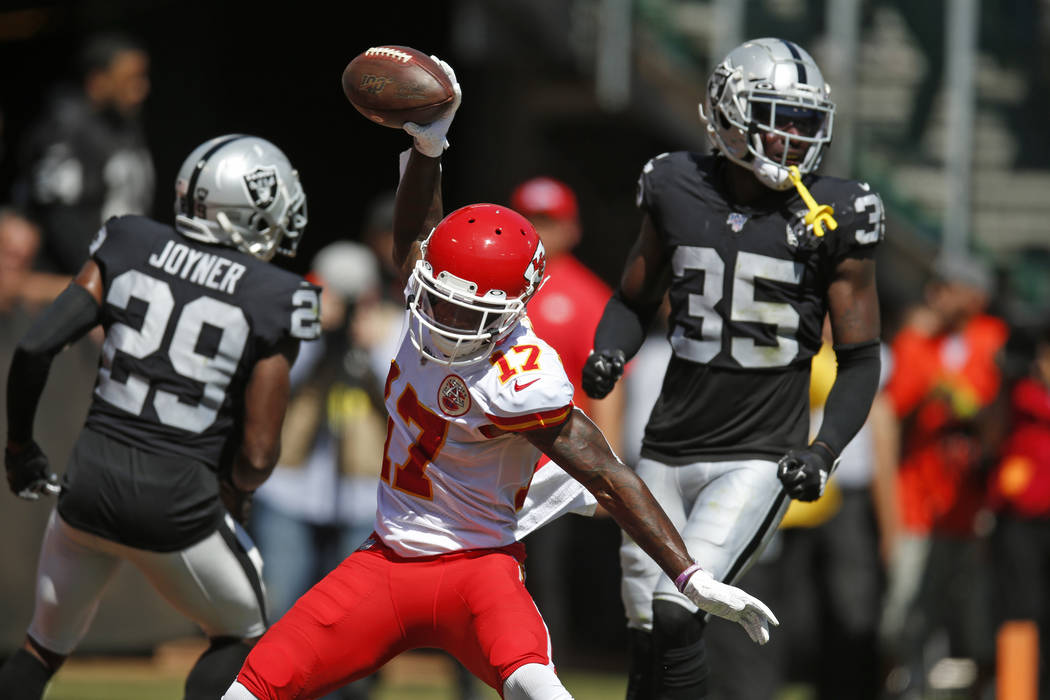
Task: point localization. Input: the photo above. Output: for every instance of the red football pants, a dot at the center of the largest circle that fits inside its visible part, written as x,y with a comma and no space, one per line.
376,605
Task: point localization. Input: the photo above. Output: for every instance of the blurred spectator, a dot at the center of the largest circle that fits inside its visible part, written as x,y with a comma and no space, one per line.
946,376
377,324
86,159
320,501
566,309
1020,495
19,284
564,312
379,236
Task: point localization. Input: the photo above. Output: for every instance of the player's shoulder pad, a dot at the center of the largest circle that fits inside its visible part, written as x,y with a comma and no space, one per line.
524,386
121,233
282,302
858,209
666,171
122,241
650,171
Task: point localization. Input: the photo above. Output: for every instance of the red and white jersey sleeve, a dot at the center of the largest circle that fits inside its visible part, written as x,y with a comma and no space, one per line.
456,469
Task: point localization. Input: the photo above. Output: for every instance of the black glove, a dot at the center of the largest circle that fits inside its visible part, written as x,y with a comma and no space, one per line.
28,473
804,472
600,372
237,502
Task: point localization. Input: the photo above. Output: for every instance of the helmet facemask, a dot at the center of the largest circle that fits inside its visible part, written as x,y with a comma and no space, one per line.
765,87
262,232
461,326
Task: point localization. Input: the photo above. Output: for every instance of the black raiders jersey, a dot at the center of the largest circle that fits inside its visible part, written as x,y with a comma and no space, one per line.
748,296
185,323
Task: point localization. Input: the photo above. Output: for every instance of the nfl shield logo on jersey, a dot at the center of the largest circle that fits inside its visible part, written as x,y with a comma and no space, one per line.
736,221
262,185
453,396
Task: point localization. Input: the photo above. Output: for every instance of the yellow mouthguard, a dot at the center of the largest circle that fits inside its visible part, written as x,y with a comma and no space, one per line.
819,215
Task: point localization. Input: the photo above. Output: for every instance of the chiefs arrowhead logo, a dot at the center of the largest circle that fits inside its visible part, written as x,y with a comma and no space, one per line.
453,396
534,272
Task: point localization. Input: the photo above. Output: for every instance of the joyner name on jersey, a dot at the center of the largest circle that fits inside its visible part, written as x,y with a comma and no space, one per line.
198,267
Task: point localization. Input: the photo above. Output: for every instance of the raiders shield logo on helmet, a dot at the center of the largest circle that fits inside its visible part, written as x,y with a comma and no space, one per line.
262,186
453,396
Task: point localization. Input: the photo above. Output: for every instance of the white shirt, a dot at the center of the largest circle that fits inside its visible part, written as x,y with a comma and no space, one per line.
455,474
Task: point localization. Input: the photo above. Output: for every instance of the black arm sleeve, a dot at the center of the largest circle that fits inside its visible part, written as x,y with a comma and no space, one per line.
67,319
851,395
622,327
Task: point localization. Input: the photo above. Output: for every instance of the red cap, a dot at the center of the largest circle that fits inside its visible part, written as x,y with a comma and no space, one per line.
546,196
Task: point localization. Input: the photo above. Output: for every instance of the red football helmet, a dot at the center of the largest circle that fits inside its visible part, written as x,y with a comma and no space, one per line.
479,267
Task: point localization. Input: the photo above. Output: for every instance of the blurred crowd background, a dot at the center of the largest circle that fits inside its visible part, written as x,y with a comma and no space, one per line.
942,108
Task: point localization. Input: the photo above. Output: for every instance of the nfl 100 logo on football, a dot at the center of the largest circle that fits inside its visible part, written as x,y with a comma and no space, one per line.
262,186
453,396
800,234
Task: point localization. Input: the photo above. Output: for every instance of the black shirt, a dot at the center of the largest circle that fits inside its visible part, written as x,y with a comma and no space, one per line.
185,324
748,298
80,165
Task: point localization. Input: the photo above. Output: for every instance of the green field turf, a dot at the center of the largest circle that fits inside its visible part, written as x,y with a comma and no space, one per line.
583,686
78,686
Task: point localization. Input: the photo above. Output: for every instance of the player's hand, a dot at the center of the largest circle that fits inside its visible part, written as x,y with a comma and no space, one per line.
29,473
429,139
731,603
601,371
804,473
237,502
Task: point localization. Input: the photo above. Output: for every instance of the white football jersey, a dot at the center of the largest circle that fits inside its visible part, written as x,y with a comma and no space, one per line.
455,471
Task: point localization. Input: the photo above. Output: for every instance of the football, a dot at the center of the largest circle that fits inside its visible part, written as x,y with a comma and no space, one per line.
392,85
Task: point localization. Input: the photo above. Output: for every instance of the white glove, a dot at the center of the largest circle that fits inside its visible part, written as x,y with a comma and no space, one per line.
729,602
429,139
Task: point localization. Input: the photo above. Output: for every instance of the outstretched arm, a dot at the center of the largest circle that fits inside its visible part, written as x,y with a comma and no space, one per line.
579,448
418,207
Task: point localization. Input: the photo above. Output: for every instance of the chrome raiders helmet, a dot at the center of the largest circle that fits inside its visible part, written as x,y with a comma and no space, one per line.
769,86
241,191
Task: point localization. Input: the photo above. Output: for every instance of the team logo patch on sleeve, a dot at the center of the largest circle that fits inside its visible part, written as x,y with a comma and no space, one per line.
453,396
262,185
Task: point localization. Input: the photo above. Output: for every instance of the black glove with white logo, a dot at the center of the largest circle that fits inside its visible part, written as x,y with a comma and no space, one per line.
29,472
804,472
600,372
